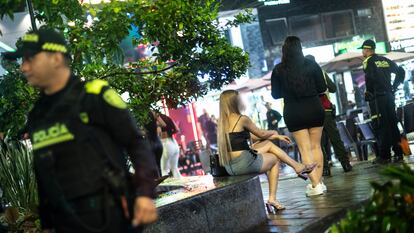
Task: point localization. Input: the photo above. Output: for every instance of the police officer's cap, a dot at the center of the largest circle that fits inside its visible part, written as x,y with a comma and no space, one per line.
368,44
43,40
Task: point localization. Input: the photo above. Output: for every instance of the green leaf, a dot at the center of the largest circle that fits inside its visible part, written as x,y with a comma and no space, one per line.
92,12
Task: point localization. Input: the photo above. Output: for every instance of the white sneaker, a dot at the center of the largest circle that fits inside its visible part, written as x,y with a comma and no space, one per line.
324,188
318,190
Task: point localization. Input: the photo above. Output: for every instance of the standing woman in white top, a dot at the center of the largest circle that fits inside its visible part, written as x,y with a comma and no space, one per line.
171,152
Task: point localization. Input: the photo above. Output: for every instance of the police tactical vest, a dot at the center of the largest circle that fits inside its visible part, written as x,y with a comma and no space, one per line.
70,155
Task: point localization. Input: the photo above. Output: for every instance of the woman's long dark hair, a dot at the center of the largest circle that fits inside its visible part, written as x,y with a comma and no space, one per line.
293,65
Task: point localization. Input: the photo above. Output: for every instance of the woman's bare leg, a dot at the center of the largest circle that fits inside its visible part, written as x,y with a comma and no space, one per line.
315,138
271,168
302,138
275,173
270,147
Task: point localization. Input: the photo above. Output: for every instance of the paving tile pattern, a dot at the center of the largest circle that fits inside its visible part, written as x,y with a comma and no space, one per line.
315,214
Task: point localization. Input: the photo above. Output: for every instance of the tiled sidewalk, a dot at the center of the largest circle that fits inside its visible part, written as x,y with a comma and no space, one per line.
316,214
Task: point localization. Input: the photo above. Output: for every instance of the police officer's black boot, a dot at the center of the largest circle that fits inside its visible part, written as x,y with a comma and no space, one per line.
398,154
326,171
326,168
381,161
398,159
346,166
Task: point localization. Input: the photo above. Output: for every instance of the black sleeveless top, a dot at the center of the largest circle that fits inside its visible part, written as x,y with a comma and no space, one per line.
239,140
170,127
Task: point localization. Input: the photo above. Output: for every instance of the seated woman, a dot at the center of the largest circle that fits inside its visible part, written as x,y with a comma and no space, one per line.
239,156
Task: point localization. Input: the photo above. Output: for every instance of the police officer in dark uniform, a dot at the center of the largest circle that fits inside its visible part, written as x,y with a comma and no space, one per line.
82,134
380,94
273,117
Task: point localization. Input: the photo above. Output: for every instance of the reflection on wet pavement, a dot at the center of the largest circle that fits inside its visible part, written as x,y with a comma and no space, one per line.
303,214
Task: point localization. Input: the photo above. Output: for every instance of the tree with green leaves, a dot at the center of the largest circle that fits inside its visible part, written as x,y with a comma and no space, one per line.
186,37
16,99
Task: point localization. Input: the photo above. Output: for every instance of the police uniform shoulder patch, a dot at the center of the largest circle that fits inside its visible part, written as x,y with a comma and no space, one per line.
95,86
31,37
112,98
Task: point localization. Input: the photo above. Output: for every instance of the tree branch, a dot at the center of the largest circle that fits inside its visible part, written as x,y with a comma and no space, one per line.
139,73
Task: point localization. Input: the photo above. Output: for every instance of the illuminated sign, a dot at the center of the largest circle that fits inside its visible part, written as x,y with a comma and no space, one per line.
406,45
274,2
322,54
353,45
399,19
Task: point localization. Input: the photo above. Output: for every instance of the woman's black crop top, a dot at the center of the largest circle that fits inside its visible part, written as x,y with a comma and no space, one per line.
239,140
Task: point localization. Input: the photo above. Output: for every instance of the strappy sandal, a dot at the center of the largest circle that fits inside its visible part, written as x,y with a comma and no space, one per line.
308,169
273,207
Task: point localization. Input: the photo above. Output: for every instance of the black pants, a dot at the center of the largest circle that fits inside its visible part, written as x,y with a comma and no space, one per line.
331,133
94,214
385,125
326,149
157,148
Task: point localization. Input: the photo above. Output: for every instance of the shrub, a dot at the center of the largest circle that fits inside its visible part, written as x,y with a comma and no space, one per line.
17,180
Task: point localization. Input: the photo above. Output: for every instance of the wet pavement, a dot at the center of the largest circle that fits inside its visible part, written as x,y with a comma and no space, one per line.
315,214
303,214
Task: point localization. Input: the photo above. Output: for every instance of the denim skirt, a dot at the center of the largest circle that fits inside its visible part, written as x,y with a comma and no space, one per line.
248,162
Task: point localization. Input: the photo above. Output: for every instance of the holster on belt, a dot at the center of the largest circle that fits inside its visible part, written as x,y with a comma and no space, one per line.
121,187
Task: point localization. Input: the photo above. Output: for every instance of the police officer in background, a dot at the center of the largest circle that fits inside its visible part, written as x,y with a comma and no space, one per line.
273,117
81,133
380,94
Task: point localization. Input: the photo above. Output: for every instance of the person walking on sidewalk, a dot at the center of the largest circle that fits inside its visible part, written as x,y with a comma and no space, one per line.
330,129
153,129
380,94
299,81
171,151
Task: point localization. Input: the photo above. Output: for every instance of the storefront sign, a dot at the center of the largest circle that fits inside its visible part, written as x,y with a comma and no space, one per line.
274,2
322,54
399,19
353,44
403,45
